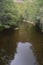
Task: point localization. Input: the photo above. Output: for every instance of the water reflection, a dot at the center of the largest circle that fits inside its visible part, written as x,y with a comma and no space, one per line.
24,55
7,47
21,53
29,34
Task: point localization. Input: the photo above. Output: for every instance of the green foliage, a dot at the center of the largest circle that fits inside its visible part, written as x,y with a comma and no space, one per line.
11,13
8,13
32,9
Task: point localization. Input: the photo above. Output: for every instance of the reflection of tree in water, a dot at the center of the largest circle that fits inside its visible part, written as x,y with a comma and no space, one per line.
36,38
7,48
37,42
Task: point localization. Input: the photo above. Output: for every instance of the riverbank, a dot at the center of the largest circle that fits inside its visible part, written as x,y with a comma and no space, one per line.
33,23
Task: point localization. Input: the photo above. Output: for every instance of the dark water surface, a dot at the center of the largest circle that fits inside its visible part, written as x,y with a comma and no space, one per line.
21,47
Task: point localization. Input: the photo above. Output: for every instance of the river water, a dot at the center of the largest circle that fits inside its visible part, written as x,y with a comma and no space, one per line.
21,47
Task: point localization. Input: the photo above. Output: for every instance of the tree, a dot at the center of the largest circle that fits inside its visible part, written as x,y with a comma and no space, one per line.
32,8
8,13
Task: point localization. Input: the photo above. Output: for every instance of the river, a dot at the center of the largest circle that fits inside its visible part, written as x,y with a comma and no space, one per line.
21,47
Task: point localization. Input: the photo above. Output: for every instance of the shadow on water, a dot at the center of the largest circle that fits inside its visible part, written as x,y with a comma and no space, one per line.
35,38
21,47
7,46
37,43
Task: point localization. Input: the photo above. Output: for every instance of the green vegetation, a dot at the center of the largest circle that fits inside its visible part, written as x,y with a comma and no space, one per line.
8,14
12,13
32,9
34,12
